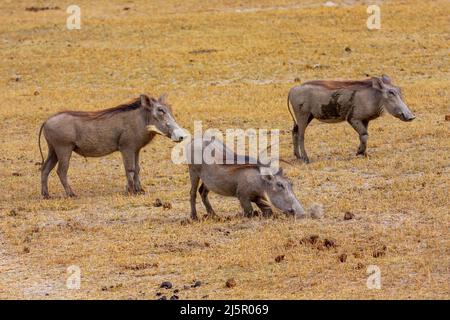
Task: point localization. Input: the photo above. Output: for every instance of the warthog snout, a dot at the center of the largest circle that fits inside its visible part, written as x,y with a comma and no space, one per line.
407,116
297,211
179,135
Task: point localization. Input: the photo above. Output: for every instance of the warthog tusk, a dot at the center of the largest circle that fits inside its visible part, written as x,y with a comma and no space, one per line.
153,128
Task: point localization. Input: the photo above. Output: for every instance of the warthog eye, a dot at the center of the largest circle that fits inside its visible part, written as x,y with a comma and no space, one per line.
161,111
280,185
392,92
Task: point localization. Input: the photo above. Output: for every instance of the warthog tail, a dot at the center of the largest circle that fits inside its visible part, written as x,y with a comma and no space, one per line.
39,142
290,109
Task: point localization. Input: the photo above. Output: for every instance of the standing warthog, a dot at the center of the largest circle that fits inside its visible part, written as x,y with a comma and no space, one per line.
248,182
356,102
126,128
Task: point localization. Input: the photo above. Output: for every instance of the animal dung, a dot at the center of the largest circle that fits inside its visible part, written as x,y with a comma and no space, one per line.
342,257
348,215
316,211
157,203
447,117
379,252
329,243
167,205
279,258
231,283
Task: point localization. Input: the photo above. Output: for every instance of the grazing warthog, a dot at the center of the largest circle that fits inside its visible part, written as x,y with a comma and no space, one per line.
126,128
248,182
356,102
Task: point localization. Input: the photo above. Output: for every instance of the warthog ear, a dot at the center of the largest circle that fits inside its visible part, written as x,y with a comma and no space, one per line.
266,174
386,79
163,98
377,83
145,101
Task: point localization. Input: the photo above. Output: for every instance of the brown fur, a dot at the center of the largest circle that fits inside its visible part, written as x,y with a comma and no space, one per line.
100,114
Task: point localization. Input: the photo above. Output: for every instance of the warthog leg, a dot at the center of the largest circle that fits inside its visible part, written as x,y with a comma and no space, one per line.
298,134
137,177
361,126
246,205
194,187
264,207
129,164
204,194
64,153
47,167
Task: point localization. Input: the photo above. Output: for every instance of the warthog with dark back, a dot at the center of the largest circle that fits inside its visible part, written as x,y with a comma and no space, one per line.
356,102
250,182
126,128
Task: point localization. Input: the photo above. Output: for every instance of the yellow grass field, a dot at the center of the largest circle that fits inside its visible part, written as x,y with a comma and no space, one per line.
228,64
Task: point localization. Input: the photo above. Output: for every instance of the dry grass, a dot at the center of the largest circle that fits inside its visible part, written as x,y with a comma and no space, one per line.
125,247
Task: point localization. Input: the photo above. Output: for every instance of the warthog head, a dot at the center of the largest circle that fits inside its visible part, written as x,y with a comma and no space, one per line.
392,98
160,119
278,191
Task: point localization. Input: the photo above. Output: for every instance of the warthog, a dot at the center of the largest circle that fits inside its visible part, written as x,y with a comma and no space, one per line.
356,102
249,182
126,128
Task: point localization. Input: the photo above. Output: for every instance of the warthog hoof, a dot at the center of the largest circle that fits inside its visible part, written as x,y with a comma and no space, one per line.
361,153
72,195
140,191
305,159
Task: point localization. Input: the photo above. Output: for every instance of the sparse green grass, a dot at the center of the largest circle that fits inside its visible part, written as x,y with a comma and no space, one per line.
399,194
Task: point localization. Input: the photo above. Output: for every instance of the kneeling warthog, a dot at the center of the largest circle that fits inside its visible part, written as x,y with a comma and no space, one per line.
356,102
126,128
249,182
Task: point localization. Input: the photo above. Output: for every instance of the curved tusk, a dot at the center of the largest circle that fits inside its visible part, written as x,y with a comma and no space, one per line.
153,128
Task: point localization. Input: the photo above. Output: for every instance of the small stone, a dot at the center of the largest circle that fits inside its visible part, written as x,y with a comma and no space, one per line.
167,205
330,4
176,291
26,250
166,285
231,283
348,49
197,284
163,298
447,117
174,297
